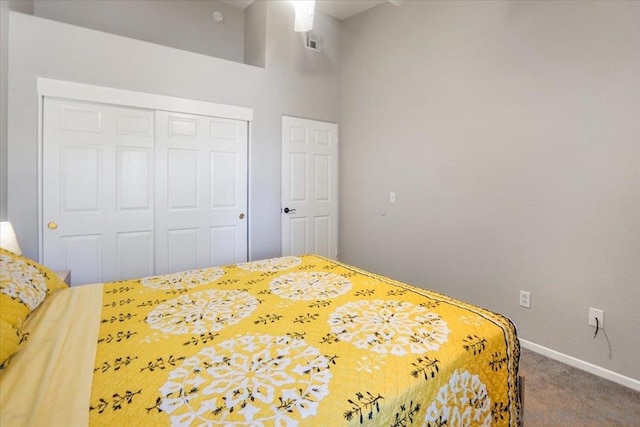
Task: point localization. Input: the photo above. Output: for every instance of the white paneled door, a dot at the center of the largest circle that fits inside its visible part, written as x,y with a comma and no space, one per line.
309,187
131,192
201,164
97,190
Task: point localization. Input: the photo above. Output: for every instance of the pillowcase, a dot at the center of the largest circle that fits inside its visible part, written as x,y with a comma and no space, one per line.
9,341
24,284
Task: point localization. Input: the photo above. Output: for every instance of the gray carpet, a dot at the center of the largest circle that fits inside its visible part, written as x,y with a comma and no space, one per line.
560,395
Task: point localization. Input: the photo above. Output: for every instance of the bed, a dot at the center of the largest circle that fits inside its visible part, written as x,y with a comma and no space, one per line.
285,341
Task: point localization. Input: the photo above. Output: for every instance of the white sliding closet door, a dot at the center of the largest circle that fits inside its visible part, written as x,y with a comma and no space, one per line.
97,190
201,202
130,192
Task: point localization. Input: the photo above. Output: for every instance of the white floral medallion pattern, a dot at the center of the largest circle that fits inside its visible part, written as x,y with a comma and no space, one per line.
184,279
471,320
22,281
253,380
395,327
272,264
313,285
463,401
202,312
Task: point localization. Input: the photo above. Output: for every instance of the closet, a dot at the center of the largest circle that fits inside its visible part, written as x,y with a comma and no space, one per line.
129,192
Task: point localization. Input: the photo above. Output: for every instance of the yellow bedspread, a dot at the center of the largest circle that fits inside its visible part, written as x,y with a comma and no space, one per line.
287,341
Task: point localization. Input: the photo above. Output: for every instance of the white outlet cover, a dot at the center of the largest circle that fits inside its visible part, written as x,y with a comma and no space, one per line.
525,299
593,313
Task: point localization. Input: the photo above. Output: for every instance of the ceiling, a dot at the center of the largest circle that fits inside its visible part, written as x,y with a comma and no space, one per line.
341,9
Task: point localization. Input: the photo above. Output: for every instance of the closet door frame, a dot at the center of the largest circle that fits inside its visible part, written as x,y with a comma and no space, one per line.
106,95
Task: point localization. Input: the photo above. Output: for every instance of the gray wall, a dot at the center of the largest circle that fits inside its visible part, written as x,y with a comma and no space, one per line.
177,23
4,79
510,132
296,82
255,33
22,6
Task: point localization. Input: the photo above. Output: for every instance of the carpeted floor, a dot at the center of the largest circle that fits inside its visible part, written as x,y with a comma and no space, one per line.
560,395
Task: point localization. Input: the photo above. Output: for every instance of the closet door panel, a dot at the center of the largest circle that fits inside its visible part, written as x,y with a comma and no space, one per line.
228,185
81,176
182,179
183,249
135,254
223,243
134,179
97,186
223,180
201,191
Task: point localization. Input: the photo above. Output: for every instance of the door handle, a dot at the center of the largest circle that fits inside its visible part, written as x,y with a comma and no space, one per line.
287,210
52,225
241,216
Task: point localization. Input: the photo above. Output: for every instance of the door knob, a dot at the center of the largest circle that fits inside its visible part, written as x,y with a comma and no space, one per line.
287,210
52,225
241,216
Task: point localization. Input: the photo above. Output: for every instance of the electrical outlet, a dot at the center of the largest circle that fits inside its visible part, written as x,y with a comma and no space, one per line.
392,197
525,299
596,313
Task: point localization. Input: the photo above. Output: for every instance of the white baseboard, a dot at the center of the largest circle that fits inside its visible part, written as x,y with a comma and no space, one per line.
581,364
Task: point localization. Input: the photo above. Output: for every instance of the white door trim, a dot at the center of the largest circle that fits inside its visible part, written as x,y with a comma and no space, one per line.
129,98
106,95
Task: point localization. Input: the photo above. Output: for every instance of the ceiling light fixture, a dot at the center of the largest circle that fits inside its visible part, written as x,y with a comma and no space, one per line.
304,10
